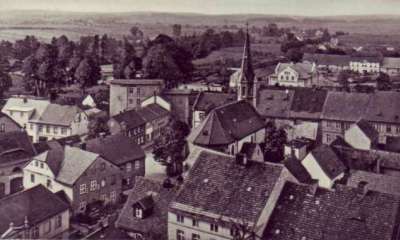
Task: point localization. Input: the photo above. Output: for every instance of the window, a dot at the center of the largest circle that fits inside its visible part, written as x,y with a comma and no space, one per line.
180,218
2,127
11,113
40,128
195,236
93,185
113,196
21,114
180,235
32,178
55,130
83,189
202,116
195,223
130,101
213,227
35,233
388,129
131,90
137,165
41,165
397,129
58,221
48,183
31,126
63,130
103,166
138,213
48,227
113,179
129,167
103,183
82,206
47,129
36,163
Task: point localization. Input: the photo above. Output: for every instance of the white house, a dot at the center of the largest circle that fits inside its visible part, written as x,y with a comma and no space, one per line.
362,135
89,101
294,74
58,121
324,166
365,64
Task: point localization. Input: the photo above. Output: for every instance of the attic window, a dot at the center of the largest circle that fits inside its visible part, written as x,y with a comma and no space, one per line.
205,180
249,189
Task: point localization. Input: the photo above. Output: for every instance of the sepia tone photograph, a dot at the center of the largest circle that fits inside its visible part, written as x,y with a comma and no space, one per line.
200,119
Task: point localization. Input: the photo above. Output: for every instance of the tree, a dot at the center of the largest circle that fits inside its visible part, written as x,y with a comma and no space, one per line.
169,148
274,142
242,230
87,73
343,79
5,82
383,82
97,126
294,55
177,30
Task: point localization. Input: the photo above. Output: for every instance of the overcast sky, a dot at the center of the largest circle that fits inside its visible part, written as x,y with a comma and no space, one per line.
290,7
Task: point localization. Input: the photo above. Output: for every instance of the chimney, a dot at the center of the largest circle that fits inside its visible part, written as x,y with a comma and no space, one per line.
362,188
242,159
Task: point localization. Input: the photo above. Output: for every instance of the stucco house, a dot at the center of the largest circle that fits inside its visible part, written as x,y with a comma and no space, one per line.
294,75
362,135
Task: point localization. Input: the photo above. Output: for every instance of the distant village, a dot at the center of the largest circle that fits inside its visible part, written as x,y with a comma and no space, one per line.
309,150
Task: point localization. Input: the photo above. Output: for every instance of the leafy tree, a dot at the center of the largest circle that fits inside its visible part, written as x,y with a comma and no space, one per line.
343,79
97,126
177,30
383,82
294,54
5,82
87,73
274,143
227,39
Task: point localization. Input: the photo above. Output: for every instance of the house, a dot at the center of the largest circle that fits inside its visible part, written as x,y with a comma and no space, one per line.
202,86
222,192
374,182
7,124
308,212
107,72
122,151
85,177
365,64
129,123
225,130
181,103
15,151
234,78
294,166
23,109
324,165
362,135
328,62
298,148
145,213
129,93
58,121
391,66
34,213
253,151
294,75
156,118
206,101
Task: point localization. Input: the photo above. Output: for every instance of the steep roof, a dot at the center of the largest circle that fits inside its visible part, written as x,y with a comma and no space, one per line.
375,182
297,170
15,146
384,107
249,149
342,106
328,161
327,59
152,112
247,69
3,115
368,129
118,148
217,185
308,103
206,101
157,221
37,204
131,118
74,163
56,114
224,125
333,215
275,103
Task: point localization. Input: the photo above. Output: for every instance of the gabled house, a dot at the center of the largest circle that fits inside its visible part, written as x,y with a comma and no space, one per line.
223,191
308,212
362,135
225,130
15,151
7,124
324,165
35,213
156,118
294,75
58,121
129,123
85,177
328,62
123,152
145,213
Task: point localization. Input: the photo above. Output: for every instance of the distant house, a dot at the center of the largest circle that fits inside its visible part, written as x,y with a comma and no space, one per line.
156,118
181,103
123,152
85,177
391,66
362,135
294,75
129,93
16,151
34,213
222,190
228,127
325,62
58,121
207,101
374,182
129,123
145,213
7,124
308,212
324,165
365,64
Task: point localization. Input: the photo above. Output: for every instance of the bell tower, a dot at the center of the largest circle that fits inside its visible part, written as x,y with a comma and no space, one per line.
246,89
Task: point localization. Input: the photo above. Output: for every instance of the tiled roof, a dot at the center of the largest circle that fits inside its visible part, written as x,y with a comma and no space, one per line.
342,106
157,221
118,148
384,107
74,163
152,112
131,118
368,129
297,170
328,161
15,146
216,184
56,114
342,214
328,59
274,103
224,125
308,103
37,204
206,101
375,182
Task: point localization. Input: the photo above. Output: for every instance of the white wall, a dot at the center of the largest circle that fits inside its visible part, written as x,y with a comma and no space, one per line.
357,139
197,119
316,171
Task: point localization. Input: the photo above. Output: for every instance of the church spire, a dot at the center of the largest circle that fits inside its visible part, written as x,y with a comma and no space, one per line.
246,79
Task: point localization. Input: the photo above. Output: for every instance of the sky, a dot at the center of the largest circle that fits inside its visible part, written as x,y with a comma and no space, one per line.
278,7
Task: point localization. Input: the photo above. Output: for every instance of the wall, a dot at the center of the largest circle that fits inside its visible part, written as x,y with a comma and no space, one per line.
357,139
9,125
198,117
316,171
118,99
257,137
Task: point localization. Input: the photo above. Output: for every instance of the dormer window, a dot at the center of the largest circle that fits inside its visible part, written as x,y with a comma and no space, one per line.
138,213
143,207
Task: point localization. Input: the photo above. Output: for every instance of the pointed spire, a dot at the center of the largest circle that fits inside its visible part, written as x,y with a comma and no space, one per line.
247,64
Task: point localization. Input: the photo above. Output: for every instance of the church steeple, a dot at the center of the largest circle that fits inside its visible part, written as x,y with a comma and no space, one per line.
246,79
